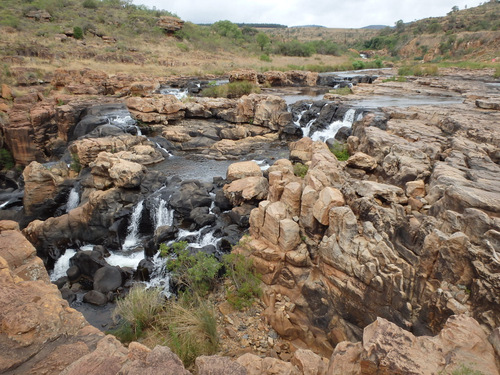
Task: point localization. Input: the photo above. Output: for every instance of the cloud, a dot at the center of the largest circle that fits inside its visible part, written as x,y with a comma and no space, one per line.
336,13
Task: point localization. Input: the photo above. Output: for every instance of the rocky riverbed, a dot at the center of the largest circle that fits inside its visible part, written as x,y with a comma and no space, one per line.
401,240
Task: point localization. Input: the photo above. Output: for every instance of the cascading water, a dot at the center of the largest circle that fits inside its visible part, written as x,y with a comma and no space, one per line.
160,277
332,129
132,238
62,265
73,199
178,93
163,214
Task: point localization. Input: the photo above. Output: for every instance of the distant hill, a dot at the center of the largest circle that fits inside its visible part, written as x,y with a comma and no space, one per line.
375,27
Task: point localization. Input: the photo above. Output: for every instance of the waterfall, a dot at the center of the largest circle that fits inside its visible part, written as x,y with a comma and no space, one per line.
73,199
62,265
160,277
133,229
163,149
163,214
202,237
307,129
331,130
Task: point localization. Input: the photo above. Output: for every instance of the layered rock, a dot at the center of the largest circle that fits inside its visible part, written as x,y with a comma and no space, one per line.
170,24
406,230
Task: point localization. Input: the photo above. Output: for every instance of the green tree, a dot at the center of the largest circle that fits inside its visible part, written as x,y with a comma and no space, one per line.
400,26
227,29
262,40
78,32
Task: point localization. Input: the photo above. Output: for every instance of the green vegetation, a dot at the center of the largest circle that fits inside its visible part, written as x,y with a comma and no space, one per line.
262,40
265,57
342,91
418,70
340,151
189,329
395,79
465,370
6,159
75,164
231,90
77,32
244,282
300,170
136,312
196,273
497,72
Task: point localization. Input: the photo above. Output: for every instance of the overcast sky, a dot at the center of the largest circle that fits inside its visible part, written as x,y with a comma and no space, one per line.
329,13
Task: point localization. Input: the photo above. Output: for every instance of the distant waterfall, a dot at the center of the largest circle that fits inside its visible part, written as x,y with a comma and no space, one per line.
73,199
133,228
332,129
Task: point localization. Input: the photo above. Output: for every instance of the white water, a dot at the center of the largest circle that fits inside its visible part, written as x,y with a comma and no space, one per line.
178,93
163,149
132,238
5,204
201,238
163,215
125,259
332,129
73,200
62,265
160,277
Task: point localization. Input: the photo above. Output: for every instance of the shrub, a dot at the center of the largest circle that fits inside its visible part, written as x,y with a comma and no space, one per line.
342,91
75,164
265,57
77,32
300,170
497,72
245,283
189,329
379,63
340,151
137,310
89,4
358,65
6,159
197,272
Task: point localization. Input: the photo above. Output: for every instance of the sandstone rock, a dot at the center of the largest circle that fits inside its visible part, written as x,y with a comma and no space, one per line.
109,170
362,161
260,366
217,365
289,235
488,104
6,92
243,75
246,189
308,362
415,188
460,343
168,107
243,169
387,193
328,198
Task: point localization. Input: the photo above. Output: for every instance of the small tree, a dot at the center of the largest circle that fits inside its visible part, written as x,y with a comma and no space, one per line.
400,26
455,9
77,32
262,40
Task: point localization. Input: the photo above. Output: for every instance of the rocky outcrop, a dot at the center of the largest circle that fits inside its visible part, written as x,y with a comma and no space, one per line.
405,230
387,349
170,24
276,78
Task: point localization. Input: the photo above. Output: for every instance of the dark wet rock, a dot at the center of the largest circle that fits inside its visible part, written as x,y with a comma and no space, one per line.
192,194
107,279
73,273
343,133
144,270
95,298
202,216
68,295
88,262
222,201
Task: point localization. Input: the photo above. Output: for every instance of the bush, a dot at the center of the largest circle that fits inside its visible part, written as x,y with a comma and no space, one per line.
340,151
357,65
137,310
300,170
245,283
77,32
231,90
294,48
75,164
265,57
6,159
189,329
89,4
497,72
196,273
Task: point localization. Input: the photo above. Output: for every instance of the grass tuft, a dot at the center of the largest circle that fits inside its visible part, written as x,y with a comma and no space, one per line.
340,151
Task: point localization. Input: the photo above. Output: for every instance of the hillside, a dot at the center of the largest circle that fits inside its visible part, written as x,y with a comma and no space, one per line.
467,34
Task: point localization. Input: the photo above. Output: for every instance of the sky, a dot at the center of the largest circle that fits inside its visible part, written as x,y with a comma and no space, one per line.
329,13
